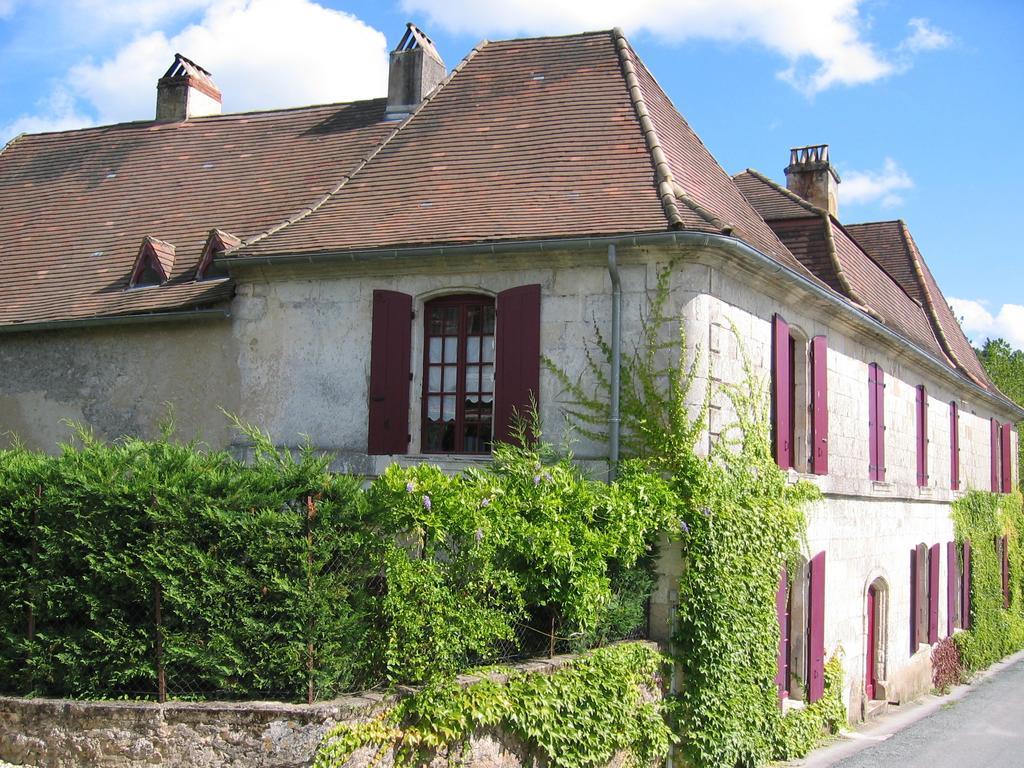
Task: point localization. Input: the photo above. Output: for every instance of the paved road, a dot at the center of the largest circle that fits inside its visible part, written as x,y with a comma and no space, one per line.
983,730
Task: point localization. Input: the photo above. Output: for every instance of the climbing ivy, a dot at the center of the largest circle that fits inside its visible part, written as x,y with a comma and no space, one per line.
740,521
980,518
579,716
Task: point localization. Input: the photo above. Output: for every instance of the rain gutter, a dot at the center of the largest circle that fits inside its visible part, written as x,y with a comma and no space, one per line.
146,319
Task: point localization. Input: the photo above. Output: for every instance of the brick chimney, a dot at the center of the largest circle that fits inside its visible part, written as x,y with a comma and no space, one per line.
416,69
186,90
811,176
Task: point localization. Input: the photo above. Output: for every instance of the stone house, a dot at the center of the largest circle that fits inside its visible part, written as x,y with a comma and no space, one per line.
383,277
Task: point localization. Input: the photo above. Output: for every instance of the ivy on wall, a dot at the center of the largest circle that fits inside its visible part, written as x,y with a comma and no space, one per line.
740,522
579,716
981,517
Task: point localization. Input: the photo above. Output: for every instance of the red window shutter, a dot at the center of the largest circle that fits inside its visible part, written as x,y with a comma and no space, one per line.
782,614
1004,458
872,415
816,685
914,602
390,354
517,345
954,446
819,405
922,436
880,420
965,585
994,448
782,383
934,556
951,590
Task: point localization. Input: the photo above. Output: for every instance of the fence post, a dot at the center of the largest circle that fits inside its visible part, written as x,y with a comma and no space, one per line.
161,673
551,643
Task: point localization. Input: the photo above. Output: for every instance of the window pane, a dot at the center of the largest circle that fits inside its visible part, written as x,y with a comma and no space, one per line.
449,408
433,408
473,349
434,385
451,320
488,319
449,379
488,349
488,379
473,320
435,437
435,322
451,349
472,378
435,350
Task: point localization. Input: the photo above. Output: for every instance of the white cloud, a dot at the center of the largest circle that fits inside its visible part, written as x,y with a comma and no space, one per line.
262,53
57,112
821,39
980,324
6,8
863,187
925,37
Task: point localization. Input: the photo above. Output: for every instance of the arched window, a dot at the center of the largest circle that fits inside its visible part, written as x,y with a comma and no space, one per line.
458,374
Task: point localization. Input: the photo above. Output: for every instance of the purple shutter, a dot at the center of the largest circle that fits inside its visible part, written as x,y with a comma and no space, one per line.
922,436
819,405
816,685
782,385
872,415
390,354
914,602
783,617
965,585
880,420
1004,455
951,590
517,367
934,557
954,446
994,453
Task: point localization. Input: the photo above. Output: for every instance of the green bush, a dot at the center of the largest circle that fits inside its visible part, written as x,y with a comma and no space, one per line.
279,579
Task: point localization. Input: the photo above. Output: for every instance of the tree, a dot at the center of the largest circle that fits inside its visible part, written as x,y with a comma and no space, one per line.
1005,366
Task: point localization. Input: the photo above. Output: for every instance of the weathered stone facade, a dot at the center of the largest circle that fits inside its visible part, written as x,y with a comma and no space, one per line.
294,359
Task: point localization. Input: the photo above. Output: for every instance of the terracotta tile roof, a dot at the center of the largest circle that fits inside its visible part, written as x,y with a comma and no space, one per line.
544,137
892,245
876,266
76,205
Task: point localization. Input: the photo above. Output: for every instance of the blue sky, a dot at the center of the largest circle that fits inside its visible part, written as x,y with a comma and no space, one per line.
921,102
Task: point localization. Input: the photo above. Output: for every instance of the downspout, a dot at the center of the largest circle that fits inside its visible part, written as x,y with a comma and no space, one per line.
614,418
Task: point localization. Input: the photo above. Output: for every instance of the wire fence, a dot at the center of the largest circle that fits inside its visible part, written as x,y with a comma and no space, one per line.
139,648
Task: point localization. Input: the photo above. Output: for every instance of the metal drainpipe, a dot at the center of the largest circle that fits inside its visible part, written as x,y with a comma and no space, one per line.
614,419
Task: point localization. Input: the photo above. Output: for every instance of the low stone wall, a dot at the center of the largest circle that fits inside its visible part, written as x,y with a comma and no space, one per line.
56,733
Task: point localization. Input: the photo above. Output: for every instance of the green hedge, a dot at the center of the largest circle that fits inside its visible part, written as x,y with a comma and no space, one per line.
280,579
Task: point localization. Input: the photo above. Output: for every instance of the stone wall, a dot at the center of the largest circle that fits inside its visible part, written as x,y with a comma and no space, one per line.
48,733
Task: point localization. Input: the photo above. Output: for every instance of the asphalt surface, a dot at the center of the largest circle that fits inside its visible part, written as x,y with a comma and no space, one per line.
984,729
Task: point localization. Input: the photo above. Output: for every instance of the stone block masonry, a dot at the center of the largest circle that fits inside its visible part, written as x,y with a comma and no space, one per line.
57,733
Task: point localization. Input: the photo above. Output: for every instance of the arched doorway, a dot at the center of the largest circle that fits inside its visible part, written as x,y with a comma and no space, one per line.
875,645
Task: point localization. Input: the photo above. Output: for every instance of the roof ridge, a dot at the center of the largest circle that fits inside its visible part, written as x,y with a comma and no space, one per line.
12,142
681,194
788,193
871,257
933,317
662,172
347,177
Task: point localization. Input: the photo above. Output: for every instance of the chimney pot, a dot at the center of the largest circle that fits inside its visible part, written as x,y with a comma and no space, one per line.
416,68
186,90
811,176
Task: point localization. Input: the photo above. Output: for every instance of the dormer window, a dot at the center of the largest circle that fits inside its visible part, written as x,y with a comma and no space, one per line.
218,243
153,265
